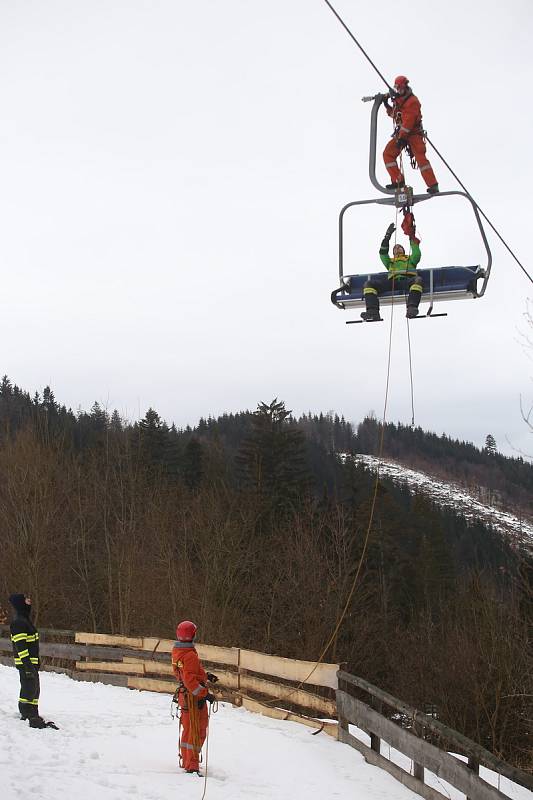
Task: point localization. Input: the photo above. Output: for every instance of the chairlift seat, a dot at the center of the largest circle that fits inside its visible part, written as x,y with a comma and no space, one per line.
442,283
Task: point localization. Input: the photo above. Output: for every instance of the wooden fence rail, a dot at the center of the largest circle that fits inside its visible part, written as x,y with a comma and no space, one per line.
411,742
245,676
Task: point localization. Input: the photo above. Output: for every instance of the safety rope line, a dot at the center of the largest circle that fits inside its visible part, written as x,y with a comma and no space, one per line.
206,752
411,374
368,530
487,220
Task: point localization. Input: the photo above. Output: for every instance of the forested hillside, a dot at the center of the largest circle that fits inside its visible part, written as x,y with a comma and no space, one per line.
252,525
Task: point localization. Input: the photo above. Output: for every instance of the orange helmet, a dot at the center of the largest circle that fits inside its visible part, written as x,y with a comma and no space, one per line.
400,81
186,631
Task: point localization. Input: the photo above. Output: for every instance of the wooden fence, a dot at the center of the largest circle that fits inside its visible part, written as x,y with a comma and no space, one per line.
301,691
420,737
277,687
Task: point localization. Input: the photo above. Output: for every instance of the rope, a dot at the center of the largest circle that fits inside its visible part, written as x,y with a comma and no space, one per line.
487,220
411,374
206,753
368,530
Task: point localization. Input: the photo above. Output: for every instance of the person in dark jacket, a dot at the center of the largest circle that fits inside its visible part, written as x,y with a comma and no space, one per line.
25,641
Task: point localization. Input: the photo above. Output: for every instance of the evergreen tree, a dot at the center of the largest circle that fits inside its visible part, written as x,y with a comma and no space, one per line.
152,438
490,445
193,463
271,459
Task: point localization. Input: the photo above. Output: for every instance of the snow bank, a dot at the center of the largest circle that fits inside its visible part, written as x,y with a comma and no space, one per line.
119,744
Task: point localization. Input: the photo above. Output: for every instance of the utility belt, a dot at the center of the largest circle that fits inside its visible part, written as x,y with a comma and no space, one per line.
403,274
185,693
418,130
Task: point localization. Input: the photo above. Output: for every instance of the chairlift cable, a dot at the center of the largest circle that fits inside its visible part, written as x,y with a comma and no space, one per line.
500,237
487,220
348,31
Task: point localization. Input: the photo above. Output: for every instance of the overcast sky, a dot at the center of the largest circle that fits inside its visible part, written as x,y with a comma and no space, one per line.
171,174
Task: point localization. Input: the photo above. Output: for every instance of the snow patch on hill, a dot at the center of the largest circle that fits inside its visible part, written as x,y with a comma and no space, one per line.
450,495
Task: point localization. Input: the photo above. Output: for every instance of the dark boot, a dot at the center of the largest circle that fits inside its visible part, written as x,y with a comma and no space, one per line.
412,311
371,315
37,722
396,184
433,189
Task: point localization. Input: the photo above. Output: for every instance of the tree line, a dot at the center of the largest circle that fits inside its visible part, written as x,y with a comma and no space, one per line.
253,526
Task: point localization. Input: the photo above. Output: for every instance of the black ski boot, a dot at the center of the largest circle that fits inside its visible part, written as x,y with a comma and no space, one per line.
433,189
412,311
395,185
37,722
371,315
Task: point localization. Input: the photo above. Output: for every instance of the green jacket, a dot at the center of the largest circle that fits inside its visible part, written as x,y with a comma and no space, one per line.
401,266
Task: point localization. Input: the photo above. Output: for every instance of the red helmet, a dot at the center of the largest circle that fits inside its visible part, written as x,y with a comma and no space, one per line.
186,631
401,81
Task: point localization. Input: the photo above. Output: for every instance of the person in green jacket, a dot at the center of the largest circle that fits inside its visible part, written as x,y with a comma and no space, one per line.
402,275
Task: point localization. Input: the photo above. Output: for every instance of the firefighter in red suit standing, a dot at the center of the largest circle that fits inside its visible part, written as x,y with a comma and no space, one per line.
193,696
408,132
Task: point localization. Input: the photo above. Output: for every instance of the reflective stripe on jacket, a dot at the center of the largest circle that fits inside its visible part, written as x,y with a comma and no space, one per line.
400,266
25,641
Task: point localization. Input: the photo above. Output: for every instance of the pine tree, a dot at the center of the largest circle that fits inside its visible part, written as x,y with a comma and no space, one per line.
490,445
193,458
152,438
271,460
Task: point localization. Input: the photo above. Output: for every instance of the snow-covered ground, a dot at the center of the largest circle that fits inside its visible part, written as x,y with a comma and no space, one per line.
452,496
118,744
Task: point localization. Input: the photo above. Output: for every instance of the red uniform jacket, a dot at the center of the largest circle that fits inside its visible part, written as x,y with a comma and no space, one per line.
188,670
407,112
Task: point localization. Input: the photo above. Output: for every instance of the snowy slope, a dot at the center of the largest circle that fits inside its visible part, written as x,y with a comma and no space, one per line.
118,744
452,496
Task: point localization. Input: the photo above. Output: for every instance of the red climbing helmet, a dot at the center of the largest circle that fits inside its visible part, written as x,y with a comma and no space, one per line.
400,82
186,631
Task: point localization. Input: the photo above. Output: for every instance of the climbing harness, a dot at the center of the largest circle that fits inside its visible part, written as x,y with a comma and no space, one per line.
192,707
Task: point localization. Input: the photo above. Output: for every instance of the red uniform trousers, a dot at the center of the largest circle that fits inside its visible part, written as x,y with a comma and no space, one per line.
193,733
418,147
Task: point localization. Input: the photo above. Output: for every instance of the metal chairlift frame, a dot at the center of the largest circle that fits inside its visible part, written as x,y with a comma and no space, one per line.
399,198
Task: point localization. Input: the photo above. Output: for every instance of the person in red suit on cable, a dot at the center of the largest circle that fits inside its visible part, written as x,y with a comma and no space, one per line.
408,132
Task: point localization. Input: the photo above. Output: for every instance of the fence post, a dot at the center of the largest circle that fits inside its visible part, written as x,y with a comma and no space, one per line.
418,730
375,741
473,764
342,721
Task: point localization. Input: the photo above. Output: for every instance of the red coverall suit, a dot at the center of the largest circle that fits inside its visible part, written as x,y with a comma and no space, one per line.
192,677
407,115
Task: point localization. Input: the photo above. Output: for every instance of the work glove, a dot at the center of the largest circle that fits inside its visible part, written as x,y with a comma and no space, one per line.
211,677
390,230
408,224
210,698
401,142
